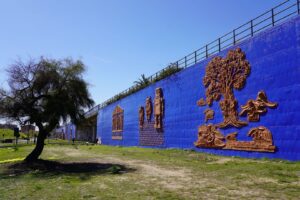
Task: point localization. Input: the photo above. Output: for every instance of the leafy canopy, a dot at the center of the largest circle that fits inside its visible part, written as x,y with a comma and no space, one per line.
45,92
224,75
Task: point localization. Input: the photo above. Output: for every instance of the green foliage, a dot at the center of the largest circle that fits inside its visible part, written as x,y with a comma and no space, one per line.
144,82
45,91
9,134
31,133
172,69
114,169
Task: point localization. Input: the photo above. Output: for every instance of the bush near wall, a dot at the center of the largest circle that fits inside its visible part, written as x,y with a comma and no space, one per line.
170,70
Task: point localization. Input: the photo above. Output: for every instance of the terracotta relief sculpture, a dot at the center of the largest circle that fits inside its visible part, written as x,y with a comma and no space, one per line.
262,141
201,102
148,108
141,116
209,136
254,108
158,108
209,114
151,131
118,116
221,77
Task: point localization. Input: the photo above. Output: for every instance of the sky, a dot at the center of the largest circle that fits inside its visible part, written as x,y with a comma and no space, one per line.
118,40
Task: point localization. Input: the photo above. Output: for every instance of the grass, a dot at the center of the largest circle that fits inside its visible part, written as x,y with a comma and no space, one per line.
9,134
47,141
104,172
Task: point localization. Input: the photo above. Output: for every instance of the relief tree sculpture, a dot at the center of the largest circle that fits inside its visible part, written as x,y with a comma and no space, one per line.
255,108
221,77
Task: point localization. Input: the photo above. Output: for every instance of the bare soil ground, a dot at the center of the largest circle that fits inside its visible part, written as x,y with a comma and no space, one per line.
101,172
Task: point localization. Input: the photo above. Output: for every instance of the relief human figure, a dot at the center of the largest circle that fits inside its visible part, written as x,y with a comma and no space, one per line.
158,108
148,109
141,116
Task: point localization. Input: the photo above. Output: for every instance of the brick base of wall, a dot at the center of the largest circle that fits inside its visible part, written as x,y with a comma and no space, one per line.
149,136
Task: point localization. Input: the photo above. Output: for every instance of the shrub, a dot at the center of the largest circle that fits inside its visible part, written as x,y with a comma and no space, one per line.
143,82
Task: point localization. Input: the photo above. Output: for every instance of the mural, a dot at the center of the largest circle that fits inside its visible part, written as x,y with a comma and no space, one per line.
222,75
151,131
262,141
117,123
158,108
148,108
201,102
254,108
141,116
268,74
209,136
209,114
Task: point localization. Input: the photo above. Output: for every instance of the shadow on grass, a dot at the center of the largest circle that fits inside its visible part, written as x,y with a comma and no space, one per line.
46,168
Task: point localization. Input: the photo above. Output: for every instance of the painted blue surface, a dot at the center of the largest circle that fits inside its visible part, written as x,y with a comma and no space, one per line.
275,68
69,130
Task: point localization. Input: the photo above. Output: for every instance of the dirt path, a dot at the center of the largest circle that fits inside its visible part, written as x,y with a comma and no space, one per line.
172,178
184,181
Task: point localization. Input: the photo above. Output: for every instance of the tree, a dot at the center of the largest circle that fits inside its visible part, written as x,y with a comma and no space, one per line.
221,77
143,81
44,93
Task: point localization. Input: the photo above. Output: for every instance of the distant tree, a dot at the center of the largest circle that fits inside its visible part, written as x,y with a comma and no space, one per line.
221,77
44,93
142,81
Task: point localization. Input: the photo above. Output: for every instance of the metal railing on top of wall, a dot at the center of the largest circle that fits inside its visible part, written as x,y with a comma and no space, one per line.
268,19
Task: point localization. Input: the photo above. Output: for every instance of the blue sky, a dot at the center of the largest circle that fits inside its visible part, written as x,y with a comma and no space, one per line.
118,40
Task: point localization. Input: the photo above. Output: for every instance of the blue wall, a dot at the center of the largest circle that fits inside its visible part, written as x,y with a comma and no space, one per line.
69,130
275,68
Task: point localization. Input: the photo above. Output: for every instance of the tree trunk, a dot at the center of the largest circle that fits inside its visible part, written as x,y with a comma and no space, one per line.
34,155
229,110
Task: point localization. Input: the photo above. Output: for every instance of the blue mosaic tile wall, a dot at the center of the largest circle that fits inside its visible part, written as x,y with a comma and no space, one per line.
275,68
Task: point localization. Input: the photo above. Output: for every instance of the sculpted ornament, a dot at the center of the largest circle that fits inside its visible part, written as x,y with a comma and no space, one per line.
158,108
221,77
254,108
148,108
141,116
209,114
209,136
262,141
201,102
151,131
117,123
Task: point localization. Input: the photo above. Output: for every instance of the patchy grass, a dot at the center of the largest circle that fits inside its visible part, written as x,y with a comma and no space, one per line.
47,141
9,134
104,172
